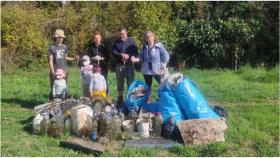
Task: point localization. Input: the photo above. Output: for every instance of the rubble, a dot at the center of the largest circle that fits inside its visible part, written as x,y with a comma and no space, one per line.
202,131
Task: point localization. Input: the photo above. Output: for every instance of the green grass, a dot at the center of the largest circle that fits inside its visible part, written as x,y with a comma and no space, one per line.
251,97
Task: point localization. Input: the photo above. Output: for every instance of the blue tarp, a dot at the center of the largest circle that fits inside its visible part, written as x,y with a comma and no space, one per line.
135,103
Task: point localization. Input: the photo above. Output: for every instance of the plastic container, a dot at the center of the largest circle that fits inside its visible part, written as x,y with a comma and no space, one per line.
128,125
143,127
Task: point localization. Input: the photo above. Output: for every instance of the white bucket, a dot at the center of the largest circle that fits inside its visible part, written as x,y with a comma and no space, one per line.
128,125
143,127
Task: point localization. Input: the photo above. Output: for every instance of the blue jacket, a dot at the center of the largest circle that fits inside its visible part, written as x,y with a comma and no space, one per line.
157,58
128,46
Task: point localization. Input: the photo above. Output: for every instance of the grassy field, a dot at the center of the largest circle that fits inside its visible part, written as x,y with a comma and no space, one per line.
251,97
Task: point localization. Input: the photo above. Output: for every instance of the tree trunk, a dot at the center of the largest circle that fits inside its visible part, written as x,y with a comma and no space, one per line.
236,58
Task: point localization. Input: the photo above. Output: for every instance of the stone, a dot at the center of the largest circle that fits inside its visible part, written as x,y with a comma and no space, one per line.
151,142
202,131
83,144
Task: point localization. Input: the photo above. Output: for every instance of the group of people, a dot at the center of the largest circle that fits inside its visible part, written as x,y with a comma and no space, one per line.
153,58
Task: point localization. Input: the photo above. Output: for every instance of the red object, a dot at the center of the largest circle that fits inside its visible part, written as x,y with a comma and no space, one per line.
96,69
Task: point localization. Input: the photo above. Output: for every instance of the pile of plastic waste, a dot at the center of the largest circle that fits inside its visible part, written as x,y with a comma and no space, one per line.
94,118
178,99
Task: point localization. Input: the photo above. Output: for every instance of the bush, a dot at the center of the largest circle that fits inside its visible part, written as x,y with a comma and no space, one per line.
23,41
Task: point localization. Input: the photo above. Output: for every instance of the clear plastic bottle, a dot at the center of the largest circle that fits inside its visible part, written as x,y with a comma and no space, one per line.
45,123
132,115
157,123
67,125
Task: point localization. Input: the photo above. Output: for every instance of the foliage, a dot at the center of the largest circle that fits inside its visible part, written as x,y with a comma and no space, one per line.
206,34
155,17
220,38
23,36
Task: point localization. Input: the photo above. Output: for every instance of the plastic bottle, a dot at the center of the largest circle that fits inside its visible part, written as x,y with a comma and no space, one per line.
116,127
94,132
132,115
67,125
45,123
157,123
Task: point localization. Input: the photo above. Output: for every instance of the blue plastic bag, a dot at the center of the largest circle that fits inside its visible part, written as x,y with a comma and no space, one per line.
134,103
167,105
191,102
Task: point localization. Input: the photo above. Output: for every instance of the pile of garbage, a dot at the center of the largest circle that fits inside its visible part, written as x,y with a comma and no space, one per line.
84,117
179,113
97,119
179,101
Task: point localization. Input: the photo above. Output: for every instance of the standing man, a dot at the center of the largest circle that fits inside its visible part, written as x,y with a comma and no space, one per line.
57,57
99,54
123,49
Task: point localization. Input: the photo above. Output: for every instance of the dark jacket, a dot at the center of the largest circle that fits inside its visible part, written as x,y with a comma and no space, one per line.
128,47
101,50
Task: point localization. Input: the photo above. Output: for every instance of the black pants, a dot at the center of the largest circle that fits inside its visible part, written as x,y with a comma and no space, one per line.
149,80
104,72
123,72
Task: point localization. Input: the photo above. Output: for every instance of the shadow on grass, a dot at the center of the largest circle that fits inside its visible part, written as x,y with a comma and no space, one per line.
28,125
29,104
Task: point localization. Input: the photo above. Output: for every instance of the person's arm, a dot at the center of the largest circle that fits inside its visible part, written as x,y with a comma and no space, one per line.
140,58
70,58
115,53
51,59
51,63
164,54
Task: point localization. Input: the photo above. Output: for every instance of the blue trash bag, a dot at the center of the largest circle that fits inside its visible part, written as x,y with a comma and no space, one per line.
191,102
167,106
132,102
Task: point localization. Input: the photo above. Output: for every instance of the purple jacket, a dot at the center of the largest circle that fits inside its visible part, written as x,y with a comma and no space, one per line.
153,63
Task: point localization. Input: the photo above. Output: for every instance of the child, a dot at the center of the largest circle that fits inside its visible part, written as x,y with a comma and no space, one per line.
59,86
87,74
98,84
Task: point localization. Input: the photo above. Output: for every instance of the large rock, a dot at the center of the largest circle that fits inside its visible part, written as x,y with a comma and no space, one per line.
202,131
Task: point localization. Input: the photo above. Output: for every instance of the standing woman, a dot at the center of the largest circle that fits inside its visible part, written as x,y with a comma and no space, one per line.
99,54
153,58
58,54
